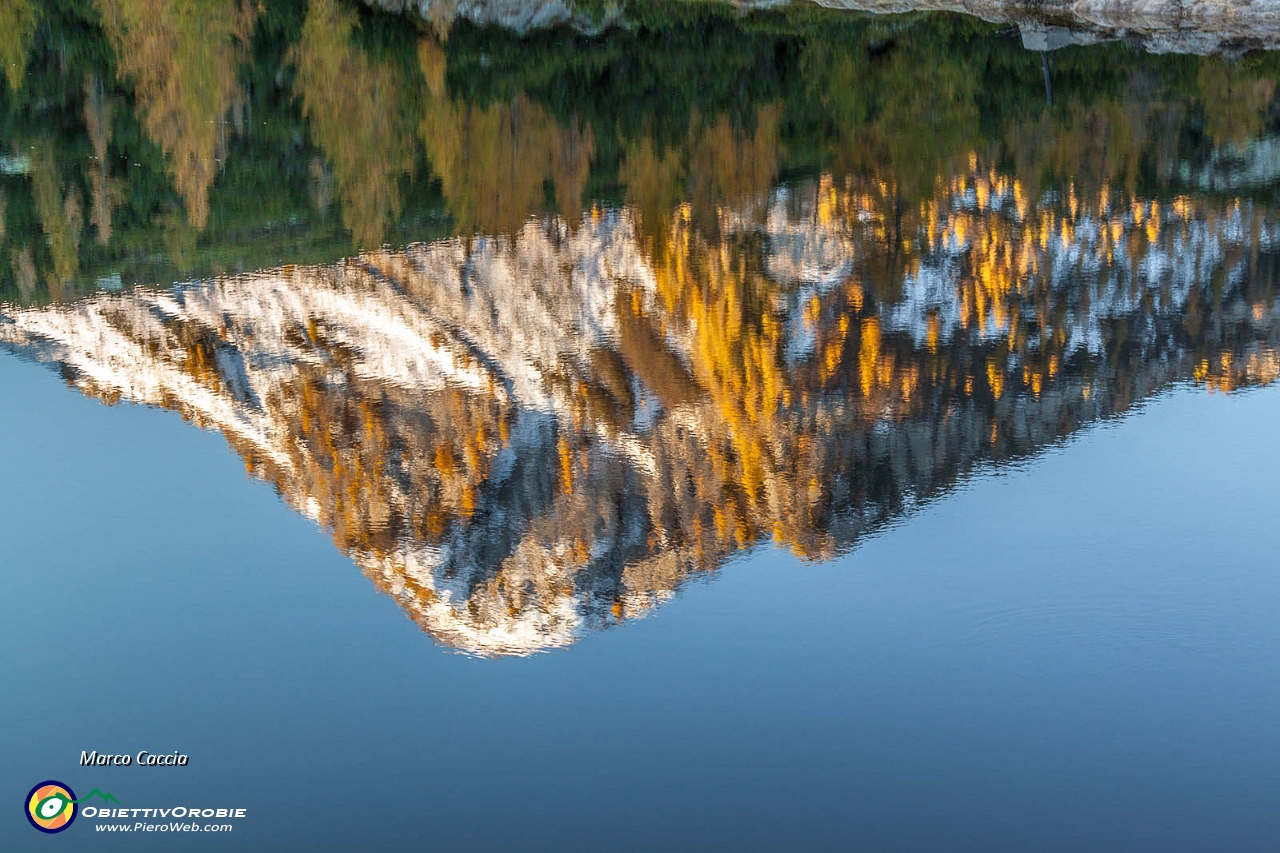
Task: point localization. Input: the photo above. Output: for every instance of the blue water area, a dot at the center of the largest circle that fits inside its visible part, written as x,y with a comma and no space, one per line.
650,426
1075,653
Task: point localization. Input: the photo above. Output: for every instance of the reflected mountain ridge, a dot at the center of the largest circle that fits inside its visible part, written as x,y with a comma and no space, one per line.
523,438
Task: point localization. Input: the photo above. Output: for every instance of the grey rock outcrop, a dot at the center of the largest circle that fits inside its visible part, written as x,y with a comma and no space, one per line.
520,16
1201,27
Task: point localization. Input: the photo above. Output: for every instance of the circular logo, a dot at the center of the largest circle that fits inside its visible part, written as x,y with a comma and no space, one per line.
51,806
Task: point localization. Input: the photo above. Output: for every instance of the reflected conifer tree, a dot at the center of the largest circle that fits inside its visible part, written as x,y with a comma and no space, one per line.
354,112
182,57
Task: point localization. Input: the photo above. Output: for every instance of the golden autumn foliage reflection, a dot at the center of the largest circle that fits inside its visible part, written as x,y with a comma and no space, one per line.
182,57
18,19
352,104
494,161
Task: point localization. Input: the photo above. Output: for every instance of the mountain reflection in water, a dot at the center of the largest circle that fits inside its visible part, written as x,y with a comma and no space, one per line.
523,438
666,308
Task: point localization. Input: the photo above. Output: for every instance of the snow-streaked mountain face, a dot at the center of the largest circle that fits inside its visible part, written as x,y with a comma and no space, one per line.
523,438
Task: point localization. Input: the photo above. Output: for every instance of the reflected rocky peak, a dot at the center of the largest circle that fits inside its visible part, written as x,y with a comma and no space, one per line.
525,437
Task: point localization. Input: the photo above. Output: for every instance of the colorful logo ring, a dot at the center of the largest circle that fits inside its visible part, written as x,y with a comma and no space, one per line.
51,806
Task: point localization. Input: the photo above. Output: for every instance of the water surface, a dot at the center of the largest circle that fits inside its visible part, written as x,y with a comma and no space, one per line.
900,399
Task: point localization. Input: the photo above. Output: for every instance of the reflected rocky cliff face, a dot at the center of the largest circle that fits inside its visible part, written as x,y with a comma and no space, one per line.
525,437
709,282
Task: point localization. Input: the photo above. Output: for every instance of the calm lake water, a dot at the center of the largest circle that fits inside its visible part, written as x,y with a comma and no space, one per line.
795,430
